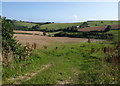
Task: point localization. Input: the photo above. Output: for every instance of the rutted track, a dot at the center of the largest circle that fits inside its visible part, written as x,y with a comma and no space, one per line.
28,75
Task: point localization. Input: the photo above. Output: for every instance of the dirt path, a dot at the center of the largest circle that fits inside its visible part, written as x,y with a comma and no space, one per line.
63,82
28,76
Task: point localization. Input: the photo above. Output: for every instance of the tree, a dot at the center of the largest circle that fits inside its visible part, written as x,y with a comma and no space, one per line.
108,28
44,33
85,24
36,27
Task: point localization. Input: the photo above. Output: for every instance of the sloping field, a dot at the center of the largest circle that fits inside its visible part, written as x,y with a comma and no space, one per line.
101,23
44,40
29,32
65,25
99,28
18,23
115,26
56,26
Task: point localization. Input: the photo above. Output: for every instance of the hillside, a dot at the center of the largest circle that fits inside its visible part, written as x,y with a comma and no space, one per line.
40,59
57,26
21,23
99,28
65,25
101,23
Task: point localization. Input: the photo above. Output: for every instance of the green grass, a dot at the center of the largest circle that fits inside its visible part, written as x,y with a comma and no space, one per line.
116,35
18,23
71,62
98,23
56,26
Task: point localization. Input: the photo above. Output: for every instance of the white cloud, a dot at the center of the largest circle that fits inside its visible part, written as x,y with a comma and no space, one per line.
74,17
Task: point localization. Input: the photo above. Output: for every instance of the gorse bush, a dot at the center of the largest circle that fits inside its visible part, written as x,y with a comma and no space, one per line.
11,50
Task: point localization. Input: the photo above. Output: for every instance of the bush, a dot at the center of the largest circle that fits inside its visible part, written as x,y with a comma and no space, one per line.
9,43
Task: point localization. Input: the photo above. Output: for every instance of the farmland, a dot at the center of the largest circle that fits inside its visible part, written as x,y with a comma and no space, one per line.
42,59
65,25
101,23
22,23
57,26
67,64
99,28
44,40
59,43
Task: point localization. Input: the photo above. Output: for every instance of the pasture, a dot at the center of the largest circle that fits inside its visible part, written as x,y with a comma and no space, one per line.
61,60
21,23
66,63
56,26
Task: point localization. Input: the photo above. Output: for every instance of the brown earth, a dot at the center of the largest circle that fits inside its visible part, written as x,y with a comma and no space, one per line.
44,40
29,32
98,28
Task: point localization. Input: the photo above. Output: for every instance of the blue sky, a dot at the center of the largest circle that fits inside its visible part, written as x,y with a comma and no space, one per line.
60,11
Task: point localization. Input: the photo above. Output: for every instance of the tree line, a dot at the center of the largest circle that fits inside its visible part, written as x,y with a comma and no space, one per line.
94,35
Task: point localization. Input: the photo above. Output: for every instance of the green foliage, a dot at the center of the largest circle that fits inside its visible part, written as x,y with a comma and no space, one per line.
85,24
9,43
7,35
93,35
108,28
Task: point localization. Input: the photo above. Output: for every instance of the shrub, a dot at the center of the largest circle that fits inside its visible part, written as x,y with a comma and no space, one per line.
9,43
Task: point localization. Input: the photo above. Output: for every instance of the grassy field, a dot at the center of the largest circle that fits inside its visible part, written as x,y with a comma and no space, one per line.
116,34
56,26
69,63
18,23
65,25
101,23
64,60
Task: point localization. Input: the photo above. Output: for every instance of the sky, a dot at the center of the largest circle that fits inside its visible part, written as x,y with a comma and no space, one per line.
60,11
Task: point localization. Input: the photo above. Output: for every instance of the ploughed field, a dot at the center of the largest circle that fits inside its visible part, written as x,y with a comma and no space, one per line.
30,37
99,28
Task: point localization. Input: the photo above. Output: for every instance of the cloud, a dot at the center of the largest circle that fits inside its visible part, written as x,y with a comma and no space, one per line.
74,17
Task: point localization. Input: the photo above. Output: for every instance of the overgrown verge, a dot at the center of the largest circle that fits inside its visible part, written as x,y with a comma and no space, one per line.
12,52
85,63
